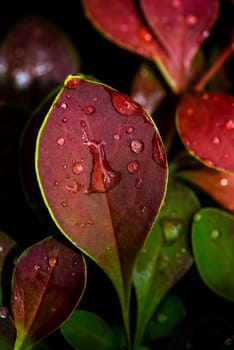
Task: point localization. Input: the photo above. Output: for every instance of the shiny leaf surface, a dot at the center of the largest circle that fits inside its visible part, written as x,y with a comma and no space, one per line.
213,242
205,123
49,281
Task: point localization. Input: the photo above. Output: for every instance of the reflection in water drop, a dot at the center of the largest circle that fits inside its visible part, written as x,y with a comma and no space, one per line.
53,261
230,124
145,34
61,141
103,177
133,166
64,105
89,110
36,267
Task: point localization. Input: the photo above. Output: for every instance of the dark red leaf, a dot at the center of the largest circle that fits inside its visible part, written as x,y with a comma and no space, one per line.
102,170
205,123
49,281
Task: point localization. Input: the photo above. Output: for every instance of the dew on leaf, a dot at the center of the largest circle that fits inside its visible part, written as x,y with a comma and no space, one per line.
64,120
68,96
61,141
142,209
3,312
73,83
133,166
78,168
171,229
190,111
89,110
145,34
176,3
103,177
158,153
216,140
124,104
64,105
215,234
230,124
64,204
191,20
129,129
137,146
36,267
224,182
53,261
205,96
116,137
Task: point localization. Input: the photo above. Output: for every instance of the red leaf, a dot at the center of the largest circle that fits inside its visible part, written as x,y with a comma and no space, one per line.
205,123
48,283
102,171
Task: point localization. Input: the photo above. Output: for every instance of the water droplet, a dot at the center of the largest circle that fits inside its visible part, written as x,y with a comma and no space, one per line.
197,217
159,155
137,146
224,182
90,222
171,229
215,234
124,104
133,166
73,83
162,318
116,137
176,3
53,261
36,267
74,187
230,124
3,312
138,182
216,140
64,105
64,204
145,34
190,111
78,168
61,141
191,20
64,120
142,209
103,177
89,110
68,96
129,129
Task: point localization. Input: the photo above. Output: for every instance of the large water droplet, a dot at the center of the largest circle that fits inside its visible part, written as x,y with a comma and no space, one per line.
124,104
103,177
159,155
89,110
78,168
171,229
137,146
133,166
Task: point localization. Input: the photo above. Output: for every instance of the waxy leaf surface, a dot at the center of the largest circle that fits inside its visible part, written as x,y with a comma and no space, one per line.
166,255
218,184
87,330
205,123
102,171
213,247
7,330
49,281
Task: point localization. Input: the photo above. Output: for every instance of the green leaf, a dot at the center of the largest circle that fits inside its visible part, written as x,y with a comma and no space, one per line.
85,330
213,247
48,283
166,255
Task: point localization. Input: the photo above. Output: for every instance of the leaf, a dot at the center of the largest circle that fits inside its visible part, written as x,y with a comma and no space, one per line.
102,170
169,314
166,255
86,330
212,243
181,27
8,250
7,330
205,123
45,275
218,184
39,62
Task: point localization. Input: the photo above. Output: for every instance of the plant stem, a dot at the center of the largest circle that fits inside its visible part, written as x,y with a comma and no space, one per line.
225,54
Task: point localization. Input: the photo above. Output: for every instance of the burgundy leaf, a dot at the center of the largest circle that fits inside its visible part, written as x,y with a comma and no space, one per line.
49,281
102,171
205,123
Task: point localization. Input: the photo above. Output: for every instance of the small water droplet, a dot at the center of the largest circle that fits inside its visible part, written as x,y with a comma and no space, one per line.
103,177
116,137
230,124
64,120
3,312
162,318
142,209
73,83
197,217
224,182
124,104
89,110
137,146
64,105
176,3
53,261
129,129
171,229
191,20
159,155
64,204
90,222
190,111
216,140
36,267
78,168
133,166
61,141
215,234
145,34
68,96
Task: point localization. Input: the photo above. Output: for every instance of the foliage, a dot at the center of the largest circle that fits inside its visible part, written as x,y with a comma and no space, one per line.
124,190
